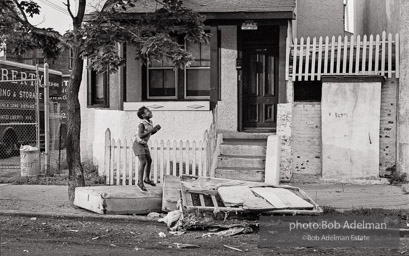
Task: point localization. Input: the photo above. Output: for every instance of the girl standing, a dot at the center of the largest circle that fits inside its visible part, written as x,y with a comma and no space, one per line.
140,146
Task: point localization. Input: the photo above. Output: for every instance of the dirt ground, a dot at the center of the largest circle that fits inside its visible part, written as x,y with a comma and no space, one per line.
47,236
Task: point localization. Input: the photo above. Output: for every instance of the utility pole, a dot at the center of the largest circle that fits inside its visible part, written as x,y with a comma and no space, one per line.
46,118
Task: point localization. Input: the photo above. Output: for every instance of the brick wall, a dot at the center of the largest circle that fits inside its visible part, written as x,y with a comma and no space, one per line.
284,120
387,143
306,133
307,138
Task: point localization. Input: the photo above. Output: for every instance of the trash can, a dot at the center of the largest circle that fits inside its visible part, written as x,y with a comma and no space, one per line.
30,161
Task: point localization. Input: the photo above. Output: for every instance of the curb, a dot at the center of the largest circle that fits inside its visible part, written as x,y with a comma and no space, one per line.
119,218
403,232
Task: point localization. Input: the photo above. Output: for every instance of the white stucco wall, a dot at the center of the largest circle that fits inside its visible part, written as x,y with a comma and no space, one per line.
320,18
176,125
87,122
376,16
403,92
228,108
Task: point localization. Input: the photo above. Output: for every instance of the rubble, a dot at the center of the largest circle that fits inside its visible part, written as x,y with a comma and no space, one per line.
222,195
230,207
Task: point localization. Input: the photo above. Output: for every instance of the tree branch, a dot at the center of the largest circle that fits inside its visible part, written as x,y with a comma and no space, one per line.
21,10
15,15
80,15
24,21
68,4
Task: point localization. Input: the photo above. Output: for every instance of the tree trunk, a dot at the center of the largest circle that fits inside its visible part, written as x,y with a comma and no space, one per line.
76,172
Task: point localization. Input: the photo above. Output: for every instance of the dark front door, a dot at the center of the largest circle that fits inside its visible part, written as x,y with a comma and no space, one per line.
259,87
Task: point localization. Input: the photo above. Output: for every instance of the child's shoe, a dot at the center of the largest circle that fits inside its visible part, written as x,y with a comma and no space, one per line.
141,187
150,182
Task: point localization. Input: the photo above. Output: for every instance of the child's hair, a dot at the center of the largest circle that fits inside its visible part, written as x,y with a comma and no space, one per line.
141,111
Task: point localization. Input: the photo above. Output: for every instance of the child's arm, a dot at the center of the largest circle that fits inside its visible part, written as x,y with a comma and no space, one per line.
156,129
143,134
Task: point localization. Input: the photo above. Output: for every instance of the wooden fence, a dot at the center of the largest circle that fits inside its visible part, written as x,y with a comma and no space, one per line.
175,158
309,59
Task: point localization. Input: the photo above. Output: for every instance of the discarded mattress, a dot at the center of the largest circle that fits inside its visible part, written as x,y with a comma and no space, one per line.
214,194
119,199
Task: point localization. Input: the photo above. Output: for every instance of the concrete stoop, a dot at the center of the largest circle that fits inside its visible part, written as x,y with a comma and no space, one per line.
242,158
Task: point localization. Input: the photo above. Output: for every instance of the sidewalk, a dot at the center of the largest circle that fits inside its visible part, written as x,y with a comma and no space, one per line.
42,200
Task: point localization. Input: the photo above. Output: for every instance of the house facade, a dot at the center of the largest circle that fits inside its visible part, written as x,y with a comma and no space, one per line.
244,73
372,17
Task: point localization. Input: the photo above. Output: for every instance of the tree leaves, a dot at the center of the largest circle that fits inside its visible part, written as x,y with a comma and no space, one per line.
30,8
155,35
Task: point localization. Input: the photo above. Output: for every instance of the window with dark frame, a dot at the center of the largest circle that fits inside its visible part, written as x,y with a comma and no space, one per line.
98,89
162,80
191,82
197,75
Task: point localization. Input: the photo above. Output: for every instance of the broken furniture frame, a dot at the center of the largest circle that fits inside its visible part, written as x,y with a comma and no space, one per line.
200,199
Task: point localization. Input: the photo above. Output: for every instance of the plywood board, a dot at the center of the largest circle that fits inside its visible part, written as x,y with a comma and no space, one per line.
350,130
234,196
119,199
204,183
171,192
282,198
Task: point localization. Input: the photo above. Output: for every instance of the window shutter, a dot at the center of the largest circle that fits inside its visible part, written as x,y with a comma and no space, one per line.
214,67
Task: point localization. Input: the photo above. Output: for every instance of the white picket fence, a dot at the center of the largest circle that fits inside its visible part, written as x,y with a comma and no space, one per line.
188,157
309,59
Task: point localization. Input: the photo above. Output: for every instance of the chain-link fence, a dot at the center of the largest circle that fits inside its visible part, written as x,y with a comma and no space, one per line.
58,132
19,119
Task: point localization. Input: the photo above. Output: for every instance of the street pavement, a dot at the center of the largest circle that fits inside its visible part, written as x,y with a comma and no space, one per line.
46,200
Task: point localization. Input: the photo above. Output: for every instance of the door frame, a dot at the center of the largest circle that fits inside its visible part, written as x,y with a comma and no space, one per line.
281,86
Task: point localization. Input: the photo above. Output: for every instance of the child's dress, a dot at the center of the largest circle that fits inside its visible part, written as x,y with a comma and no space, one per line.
140,145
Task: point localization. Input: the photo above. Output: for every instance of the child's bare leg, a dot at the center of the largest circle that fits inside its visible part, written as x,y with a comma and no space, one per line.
142,165
148,170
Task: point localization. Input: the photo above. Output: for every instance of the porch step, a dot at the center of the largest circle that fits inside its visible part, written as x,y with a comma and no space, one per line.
240,173
246,135
242,156
238,148
255,162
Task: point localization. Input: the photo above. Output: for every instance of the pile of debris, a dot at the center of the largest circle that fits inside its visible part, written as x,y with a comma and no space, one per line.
232,206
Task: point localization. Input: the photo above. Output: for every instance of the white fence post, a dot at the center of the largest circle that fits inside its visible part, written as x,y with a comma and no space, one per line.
107,156
272,168
367,55
190,157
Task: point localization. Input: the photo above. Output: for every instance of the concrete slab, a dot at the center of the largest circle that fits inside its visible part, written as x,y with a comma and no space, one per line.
119,199
171,192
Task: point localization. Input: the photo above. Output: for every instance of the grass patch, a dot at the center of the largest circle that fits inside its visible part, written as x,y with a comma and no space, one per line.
55,177
330,211
395,177
91,175
41,180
